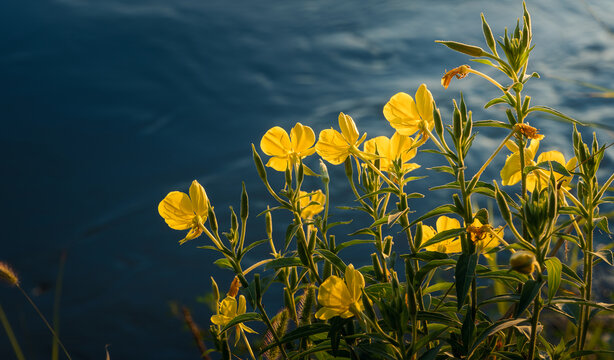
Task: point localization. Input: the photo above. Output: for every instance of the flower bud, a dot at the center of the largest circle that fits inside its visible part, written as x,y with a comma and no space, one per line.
523,262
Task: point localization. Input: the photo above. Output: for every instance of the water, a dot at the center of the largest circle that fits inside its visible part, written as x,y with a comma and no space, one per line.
107,106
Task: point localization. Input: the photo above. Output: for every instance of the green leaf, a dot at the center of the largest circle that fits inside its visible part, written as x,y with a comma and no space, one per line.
504,275
500,298
431,354
605,255
241,319
465,273
530,290
444,169
302,332
283,262
603,225
555,269
333,259
421,274
440,286
437,317
572,275
442,209
223,263
506,355
556,113
251,246
577,354
352,243
570,300
493,329
499,100
427,255
443,235
379,291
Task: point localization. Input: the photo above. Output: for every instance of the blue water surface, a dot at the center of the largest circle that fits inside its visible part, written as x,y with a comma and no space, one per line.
106,106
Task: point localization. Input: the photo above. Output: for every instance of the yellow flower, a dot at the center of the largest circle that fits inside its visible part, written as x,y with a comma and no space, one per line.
523,262
408,116
334,146
482,236
182,212
391,150
287,150
227,310
339,297
311,205
512,173
448,246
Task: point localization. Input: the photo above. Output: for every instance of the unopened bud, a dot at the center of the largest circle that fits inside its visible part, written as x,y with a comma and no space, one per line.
523,262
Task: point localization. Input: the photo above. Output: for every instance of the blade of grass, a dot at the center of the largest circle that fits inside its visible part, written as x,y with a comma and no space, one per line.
11,335
55,348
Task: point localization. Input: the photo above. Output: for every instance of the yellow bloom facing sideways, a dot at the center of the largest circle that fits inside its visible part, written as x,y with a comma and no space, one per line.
311,205
334,146
227,310
408,116
287,150
449,246
511,173
341,297
182,212
390,150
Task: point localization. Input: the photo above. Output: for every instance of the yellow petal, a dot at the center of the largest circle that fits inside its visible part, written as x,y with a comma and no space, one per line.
447,223
402,113
381,147
241,307
192,234
228,307
276,142
355,282
427,234
452,247
278,163
511,145
532,150
199,199
220,320
510,174
424,103
332,147
302,138
551,156
334,293
348,128
311,205
326,313
176,209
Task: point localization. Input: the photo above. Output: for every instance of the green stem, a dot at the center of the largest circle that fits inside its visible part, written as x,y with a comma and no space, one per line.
534,322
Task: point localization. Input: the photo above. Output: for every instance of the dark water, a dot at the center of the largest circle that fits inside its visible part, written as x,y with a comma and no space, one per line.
107,106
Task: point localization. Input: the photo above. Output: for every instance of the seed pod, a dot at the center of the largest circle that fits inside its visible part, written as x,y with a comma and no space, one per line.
523,262
216,290
490,39
259,165
244,211
463,48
